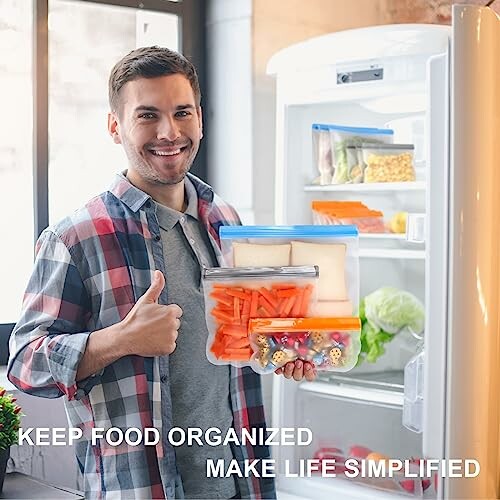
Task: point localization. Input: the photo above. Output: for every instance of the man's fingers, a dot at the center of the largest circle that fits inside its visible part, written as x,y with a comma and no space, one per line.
298,372
288,370
309,372
175,310
152,294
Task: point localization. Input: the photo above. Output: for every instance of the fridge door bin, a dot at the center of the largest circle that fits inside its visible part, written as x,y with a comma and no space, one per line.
413,402
340,431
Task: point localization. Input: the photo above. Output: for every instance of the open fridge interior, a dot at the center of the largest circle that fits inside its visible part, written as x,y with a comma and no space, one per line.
364,409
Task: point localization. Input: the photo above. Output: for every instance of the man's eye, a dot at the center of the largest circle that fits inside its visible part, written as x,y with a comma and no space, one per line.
147,116
182,114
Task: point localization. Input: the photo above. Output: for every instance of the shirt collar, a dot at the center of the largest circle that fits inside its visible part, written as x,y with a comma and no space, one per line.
134,198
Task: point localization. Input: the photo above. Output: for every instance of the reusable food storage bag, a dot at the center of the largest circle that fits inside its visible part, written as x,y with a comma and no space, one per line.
348,213
333,248
235,295
388,162
332,344
322,152
341,137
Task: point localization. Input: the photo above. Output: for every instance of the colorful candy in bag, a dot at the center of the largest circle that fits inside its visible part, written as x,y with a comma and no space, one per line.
235,295
332,344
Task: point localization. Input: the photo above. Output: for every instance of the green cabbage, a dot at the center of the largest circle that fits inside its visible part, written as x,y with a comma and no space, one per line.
392,310
384,313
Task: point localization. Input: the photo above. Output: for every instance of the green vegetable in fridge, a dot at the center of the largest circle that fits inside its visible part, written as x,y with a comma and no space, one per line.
384,313
392,310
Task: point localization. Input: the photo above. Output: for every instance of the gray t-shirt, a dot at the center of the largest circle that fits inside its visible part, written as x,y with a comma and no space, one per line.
200,390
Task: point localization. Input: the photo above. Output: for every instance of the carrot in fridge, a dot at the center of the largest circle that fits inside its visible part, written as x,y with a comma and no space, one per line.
239,343
268,308
245,310
295,312
222,298
235,330
269,296
236,310
226,317
289,302
304,307
287,292
254,304
235,292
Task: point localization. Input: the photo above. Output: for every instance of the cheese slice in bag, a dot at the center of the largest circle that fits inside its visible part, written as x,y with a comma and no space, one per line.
330,258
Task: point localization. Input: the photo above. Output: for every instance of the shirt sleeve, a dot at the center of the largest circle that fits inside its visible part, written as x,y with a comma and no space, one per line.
49,340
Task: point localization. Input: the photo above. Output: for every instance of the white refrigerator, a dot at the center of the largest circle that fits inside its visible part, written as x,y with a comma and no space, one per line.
439,86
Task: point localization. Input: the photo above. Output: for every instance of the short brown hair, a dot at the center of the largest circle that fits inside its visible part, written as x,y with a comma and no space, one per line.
150,62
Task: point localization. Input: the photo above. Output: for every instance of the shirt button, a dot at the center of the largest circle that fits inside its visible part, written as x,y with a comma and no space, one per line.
183,219
191,241
157,237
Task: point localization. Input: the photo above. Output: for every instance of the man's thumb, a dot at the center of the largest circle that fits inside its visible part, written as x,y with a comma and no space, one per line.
152,294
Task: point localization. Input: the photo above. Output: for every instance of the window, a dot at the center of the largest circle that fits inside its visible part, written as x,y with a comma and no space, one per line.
82,157
16,150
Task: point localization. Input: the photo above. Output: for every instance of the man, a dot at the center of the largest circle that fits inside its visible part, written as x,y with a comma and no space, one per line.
113,317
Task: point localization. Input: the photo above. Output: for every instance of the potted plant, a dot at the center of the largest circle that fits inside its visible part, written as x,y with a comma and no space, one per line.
10,419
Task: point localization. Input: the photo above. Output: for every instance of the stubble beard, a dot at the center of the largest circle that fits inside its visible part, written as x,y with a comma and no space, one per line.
149,174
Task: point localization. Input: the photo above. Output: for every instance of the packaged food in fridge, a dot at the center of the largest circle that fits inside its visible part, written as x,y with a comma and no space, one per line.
248,254
348,213
388,162
333,248
330,258
342,136
355,164
322,152
332,344
235,295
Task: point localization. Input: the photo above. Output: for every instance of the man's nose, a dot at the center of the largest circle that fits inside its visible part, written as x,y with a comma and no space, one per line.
168,129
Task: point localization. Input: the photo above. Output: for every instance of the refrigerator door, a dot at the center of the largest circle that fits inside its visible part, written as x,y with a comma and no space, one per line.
473,355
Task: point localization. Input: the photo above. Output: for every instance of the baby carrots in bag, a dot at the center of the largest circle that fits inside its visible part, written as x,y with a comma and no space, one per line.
233,296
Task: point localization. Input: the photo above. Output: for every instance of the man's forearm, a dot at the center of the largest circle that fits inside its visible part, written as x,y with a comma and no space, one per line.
103,348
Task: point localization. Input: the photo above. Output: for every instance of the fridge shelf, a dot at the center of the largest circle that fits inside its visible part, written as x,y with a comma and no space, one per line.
385,253
355,393
369,187
383,236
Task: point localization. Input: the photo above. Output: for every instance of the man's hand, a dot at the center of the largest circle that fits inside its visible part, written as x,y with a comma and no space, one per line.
298,370
150,329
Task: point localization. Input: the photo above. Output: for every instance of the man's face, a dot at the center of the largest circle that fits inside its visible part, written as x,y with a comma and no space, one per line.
160,127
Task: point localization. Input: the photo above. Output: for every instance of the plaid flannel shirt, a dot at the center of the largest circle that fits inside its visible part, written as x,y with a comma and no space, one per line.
90,270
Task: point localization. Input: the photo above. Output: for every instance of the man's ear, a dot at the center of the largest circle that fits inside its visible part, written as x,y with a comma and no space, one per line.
114,128
200,120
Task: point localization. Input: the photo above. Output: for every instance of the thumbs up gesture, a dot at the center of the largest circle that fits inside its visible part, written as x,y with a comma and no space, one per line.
151,329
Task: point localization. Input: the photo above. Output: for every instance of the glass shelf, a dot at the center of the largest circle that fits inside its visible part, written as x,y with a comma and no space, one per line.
370,187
